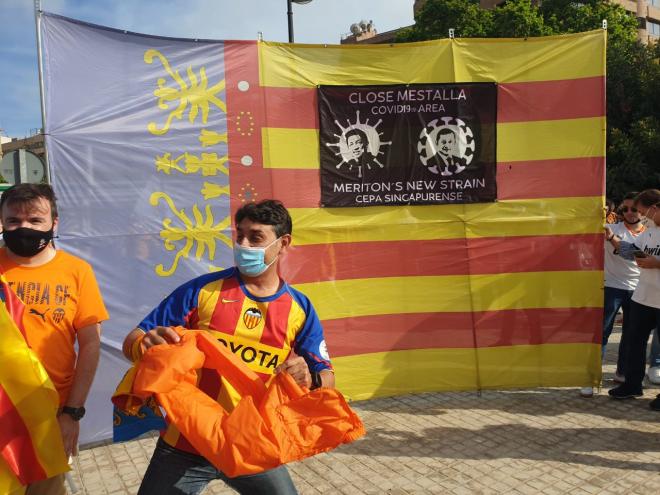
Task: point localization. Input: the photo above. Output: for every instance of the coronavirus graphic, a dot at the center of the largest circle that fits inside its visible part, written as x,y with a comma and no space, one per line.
431,143
359,146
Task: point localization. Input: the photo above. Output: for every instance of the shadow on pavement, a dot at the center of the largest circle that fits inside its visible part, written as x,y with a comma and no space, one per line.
604,447
536,402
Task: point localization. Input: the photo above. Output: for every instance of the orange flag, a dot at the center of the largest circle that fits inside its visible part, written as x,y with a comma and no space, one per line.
273,424
31,446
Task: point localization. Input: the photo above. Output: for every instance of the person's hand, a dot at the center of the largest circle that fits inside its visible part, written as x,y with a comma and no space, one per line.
160,335
648,262
297,368
70,430
608,232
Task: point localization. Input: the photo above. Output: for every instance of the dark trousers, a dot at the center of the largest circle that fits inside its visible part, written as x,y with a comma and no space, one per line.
643,319
616,299
172,471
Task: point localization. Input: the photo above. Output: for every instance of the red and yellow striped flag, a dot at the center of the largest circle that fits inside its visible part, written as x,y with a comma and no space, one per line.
447,297
30,441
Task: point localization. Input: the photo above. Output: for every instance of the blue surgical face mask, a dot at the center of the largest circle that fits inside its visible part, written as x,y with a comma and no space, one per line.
250,261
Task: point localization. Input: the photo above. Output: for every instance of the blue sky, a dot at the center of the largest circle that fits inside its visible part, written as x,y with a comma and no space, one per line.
322,21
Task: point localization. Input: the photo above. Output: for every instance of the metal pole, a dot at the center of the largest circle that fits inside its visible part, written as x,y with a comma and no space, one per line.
22,168
37,24
289,13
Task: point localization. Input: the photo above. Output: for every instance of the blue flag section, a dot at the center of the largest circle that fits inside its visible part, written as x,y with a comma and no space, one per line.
129,426
136,132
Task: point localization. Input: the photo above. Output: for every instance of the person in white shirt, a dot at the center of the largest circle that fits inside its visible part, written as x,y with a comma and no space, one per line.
621,277
645,301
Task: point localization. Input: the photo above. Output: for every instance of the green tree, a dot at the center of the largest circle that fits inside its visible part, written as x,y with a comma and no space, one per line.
436,18
518,19
633,81
633,123
567,16
633,71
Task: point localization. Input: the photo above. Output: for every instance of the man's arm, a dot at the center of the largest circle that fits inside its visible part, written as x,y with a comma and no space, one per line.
159,335
170,312
299,371
612,238
621,247
89,347
129,340
310,351
327,379
648,262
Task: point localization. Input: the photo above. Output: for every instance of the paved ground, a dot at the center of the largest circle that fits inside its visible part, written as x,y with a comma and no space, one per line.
547,441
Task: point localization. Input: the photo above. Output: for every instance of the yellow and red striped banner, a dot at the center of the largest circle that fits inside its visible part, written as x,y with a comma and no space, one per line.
30,441
418,298
412,298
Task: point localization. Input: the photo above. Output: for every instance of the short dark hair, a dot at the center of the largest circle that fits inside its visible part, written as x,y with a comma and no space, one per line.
24,194
648,198
357,132
630,195
267,212
446,130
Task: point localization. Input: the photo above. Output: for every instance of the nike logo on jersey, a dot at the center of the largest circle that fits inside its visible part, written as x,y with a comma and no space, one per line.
229,300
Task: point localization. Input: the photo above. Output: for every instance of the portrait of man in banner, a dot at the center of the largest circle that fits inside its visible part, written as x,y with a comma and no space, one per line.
446,148
448,154
359,155
357,148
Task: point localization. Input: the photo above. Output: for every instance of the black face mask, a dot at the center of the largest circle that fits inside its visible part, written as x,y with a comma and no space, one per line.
27,242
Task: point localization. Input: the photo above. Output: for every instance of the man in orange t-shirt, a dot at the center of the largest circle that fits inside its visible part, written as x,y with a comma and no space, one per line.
63,305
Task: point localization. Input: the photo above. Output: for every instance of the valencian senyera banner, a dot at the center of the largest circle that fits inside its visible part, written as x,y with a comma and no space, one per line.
407,144
155,142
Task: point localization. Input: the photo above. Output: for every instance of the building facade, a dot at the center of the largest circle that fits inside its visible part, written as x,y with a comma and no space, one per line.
35,144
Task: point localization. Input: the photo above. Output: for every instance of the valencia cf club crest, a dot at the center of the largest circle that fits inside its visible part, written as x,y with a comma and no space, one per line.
251,318
58,315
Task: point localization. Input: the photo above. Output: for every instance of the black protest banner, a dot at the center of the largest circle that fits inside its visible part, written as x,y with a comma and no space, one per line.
408,144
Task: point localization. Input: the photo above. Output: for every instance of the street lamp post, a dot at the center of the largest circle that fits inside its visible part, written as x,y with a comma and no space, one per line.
289,14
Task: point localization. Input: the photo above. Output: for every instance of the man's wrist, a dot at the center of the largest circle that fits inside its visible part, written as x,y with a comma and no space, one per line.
317,382
76,413
136,347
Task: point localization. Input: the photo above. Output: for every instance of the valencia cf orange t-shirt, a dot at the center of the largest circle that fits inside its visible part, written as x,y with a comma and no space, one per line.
60,298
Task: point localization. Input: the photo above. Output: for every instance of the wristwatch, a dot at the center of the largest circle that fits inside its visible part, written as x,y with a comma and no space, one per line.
76,413
316,380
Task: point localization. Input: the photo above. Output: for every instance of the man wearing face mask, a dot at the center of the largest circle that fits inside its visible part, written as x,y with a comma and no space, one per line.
621,276
63,306
645,302
260,318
